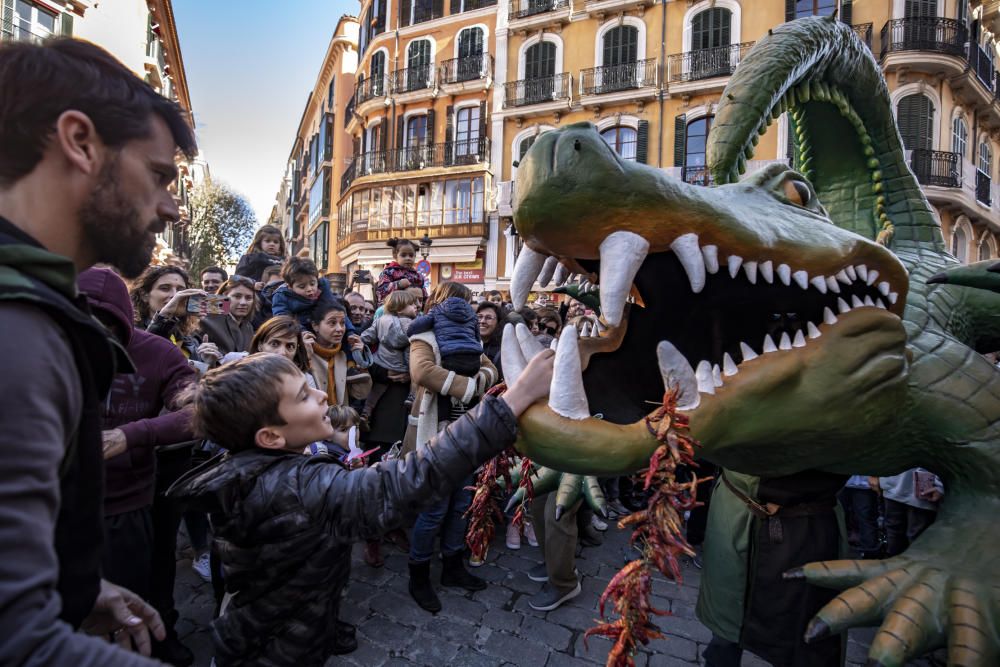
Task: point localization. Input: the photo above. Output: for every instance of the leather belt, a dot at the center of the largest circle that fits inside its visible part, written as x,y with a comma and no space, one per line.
773,512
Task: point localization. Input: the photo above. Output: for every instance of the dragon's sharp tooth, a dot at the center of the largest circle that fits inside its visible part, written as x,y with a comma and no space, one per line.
529,344
566,394
750,268
769,345
856,302
872,277
717,375
851,273
747,352
554,345
678,375
813,330
585,330
879,304
883,287
799,340
526,269
784,343
728,365
703,375
622,253
842,306
511,356
560,276
801,279
595,331
734,263
832,284
862,271
868,301
686,248
843,277
828,316
892,297
548,269
819,282
767,271
711,255
785,273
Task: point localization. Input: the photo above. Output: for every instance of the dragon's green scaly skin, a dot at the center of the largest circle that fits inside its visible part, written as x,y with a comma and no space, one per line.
874,391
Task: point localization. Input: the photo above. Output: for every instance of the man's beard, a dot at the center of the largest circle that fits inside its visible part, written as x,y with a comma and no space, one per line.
113,229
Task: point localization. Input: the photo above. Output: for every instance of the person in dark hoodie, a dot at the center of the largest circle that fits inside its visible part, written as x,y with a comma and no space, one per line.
139,417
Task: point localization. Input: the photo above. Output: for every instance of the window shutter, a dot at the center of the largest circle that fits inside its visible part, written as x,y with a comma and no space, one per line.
642,142
456,6
380,17
383,134
405,9
7,16
400,139
482,122
789,10
430,126
449,146
67,25
438,10
680,128
846,11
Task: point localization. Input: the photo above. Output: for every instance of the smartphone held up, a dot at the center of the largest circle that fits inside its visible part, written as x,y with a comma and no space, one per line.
208,304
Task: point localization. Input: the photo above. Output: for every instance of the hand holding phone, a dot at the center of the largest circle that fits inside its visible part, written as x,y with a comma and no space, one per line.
208,304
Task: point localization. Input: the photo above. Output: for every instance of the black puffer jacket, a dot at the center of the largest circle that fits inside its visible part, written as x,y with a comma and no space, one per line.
284,524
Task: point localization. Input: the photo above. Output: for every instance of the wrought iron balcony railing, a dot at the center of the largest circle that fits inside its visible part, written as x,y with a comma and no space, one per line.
536,91
521,9
410,79
369,89
349,111
983,193
936,34
706,63
939,168
414,158
347,177
615,78
981,63
470,68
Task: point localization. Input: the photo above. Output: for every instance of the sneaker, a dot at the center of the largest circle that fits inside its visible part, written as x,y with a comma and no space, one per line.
598,523
202,566
529,534
513,536
616,509
538,573
550,598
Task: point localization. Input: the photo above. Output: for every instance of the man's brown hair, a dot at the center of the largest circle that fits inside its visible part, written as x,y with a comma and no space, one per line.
41,82
234,401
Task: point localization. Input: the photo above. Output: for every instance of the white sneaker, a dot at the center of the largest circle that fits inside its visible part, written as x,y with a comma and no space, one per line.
529,534
513,536
597,523
203,567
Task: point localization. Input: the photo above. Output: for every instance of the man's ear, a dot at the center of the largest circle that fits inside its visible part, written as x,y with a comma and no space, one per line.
269,437
78,141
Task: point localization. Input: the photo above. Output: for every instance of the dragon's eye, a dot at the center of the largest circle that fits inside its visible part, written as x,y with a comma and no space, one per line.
797,192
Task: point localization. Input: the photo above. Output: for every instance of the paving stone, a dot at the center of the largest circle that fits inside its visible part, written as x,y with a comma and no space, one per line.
360,591
667,661
598,650
391,636
453,630
398,608
683,627
674,647
430,650
563,660
516,650
548,634
499,619
573,618
369,652
467,657
462,608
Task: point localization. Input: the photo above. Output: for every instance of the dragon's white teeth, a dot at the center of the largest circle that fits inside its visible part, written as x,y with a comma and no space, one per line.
703,375
851,273
728,365
883,287
526,269
879,304
784,274
828,316
892,297
585,330
734,262
872,277
529,344
799,340
548,269
622,253
747,352
784,343
716,375
769,345
832,283
862,271
856,302
560,276
767,271
566,394
678,375
813,331
511,356
686,248
801,279
842,306
554,345
595,331
868,301
711,255
750,268
819,282
842,277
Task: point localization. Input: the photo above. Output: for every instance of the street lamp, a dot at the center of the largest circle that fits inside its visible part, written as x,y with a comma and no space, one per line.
425,246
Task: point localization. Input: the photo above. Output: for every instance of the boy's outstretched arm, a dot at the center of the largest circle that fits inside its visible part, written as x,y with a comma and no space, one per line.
362,504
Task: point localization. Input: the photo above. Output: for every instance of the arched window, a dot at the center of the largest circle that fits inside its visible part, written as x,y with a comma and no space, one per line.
620,45
985,157
418,64
695,139
711,32
377,74
959,136
915,116
526,143
539,72
960,244
622,140
470,54
985,252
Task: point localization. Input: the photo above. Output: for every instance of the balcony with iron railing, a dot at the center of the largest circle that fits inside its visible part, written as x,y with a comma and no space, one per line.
938,168
616,78
701,64
470,68
522,9
540,90
369,89
981,63
437,222
347,177
412,79
983,191
349,111
417,157
935,34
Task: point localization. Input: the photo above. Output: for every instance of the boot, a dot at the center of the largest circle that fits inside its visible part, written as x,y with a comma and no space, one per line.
373,554
453,573
420,587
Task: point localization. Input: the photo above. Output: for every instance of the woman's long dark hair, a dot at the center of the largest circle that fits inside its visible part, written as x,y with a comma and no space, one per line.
143,285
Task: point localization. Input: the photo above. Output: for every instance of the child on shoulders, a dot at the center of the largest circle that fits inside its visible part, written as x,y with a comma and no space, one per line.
393,350
266,249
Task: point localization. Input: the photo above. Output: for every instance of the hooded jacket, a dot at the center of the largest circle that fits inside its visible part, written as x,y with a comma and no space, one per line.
142,404
455,327
286,302
284,522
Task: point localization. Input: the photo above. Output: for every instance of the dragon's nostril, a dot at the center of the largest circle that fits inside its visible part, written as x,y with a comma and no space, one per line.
576,144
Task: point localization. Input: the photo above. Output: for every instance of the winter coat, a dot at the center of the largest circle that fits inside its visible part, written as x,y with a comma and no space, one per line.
139,403
454,325
903,489
286,302
393,273
393,352
350,381
227,334
252,264
284,522
166,327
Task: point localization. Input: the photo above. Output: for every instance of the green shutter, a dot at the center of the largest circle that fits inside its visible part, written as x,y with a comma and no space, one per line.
642,142
789,10
482,122
430,126
680,128
846,11
449,146
67,25
400,139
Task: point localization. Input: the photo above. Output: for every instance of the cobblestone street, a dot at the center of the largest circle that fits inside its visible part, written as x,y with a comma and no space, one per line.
495,626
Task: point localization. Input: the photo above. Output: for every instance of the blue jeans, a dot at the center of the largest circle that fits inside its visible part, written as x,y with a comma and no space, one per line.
444,517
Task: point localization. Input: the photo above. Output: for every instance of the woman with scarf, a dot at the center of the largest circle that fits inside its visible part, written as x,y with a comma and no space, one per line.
334,370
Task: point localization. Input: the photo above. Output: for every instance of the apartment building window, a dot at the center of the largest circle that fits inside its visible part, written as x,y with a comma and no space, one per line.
695,140
526,143
915,9
915,117
416,131
960,243
463,201
620,46
959,136
319,245
805,8
377,73
539,72
31,22
985,251
417,11
711,32
330,92
470,42
985,157
962,12
418,64
467,121
622,141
